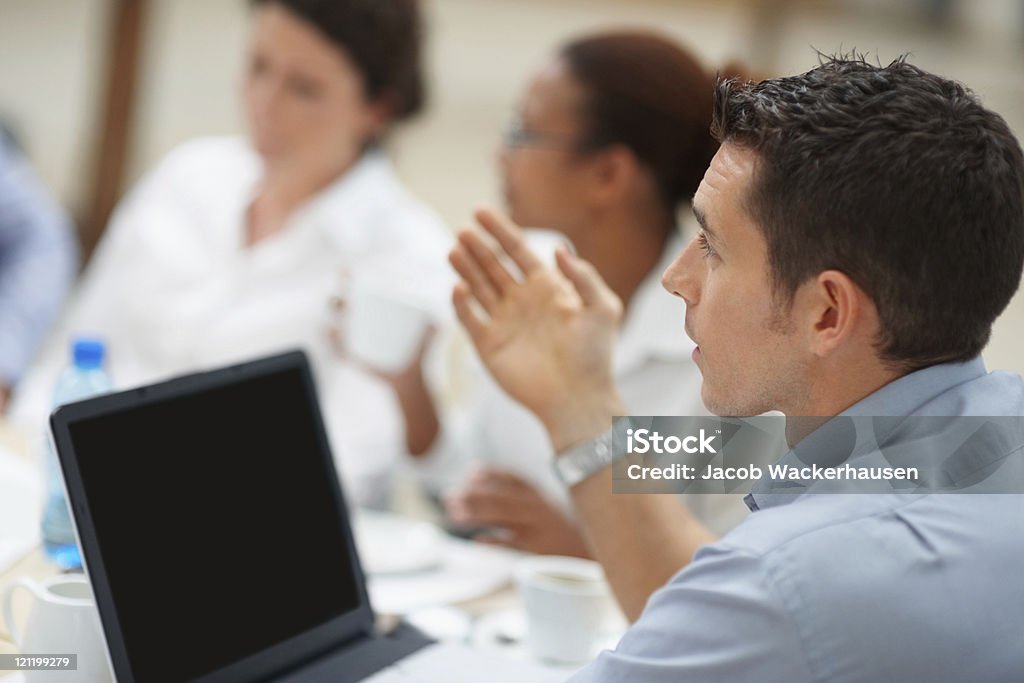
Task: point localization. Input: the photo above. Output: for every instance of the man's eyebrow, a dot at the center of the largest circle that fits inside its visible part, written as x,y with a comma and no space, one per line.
702,219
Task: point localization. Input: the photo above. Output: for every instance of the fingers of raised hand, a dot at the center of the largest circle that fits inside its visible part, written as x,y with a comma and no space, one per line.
588,283
510,237
479,284
462,300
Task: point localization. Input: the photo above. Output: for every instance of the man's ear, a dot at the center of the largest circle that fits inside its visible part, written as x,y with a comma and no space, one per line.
837,311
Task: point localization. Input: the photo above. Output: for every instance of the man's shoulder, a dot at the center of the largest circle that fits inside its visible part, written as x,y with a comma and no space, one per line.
843,524
860,566
775,530
885,575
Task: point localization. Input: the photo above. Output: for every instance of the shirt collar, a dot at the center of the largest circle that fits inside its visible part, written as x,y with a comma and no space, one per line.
904,396
348,203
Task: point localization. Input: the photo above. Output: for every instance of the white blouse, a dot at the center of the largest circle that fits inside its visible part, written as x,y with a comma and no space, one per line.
174,288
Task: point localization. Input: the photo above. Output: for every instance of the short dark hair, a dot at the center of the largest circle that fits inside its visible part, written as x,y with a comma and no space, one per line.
382,37
895,176
646,92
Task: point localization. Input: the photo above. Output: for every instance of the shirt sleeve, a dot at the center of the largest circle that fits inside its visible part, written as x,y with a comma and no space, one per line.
720,619
38,259
89,309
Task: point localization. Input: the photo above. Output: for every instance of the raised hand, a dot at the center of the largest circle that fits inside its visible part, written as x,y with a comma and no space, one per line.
546,335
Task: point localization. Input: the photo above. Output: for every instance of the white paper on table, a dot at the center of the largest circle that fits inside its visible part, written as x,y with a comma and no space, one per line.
21,502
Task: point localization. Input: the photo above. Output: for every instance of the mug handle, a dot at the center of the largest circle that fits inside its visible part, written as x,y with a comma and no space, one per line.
22,582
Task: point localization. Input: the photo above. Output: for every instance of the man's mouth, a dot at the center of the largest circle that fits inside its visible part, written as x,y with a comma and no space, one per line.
695,354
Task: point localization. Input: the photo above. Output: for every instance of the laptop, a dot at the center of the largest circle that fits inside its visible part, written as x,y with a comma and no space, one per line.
217,539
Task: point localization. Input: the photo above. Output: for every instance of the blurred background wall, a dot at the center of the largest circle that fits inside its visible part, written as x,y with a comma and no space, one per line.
55,60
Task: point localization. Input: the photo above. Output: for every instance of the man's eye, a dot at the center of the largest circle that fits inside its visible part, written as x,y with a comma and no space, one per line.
709,251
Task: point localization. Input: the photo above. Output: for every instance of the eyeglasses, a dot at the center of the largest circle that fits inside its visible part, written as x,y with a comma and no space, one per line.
517,135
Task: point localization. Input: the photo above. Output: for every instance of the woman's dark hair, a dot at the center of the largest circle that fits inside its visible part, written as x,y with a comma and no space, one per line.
383,38
646,92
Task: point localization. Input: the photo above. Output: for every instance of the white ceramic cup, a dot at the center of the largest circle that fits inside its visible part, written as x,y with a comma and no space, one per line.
569,607
62,621
384,326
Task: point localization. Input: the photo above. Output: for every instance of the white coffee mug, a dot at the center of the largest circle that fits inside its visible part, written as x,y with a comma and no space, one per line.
62,621
570,613
384,325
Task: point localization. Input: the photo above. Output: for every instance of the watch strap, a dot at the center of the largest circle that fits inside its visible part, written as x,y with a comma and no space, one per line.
584,459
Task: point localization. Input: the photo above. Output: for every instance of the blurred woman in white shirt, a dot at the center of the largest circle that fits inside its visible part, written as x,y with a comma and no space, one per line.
610,143
233,247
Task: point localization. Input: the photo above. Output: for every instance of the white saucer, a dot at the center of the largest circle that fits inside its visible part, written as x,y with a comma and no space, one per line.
468,570
389,544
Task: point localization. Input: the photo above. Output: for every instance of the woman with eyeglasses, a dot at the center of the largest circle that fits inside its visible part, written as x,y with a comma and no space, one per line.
232,247
608,146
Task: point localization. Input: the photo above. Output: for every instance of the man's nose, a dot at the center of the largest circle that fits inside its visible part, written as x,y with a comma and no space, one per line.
682,277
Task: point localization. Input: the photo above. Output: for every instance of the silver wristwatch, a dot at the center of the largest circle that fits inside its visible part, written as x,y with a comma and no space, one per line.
585,459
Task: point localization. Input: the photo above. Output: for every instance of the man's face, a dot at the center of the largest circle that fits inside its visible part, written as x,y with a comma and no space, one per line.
748,351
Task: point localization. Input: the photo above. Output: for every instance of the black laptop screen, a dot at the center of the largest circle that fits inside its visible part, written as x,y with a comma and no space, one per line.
217,523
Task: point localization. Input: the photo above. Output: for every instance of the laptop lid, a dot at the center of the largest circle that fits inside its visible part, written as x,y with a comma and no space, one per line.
212,524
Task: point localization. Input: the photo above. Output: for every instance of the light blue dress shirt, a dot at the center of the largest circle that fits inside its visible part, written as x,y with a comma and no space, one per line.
855,587
38,260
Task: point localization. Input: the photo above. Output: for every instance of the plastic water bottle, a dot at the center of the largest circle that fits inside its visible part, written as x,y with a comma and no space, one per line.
85,377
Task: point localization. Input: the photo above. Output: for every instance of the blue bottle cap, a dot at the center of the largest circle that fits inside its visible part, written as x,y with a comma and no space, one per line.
87,353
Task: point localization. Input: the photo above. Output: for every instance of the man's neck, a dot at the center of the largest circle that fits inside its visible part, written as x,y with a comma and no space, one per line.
834,390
